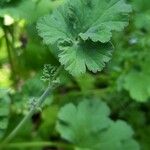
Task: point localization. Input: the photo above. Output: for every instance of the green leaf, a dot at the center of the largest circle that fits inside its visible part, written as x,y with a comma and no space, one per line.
87,19
77,24
4,2
4,111
86,82
140,6
142,20
138,84
78,123
136,78
88,126
117,137
93,56
49,117
106,16
17,9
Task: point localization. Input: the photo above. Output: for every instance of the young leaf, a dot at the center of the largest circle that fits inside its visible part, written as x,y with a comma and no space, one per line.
77,24
88,126
4,111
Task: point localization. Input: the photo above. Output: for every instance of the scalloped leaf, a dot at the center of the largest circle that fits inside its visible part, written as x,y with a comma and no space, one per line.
88,126
94,19
137,80
138,85
79,22
93,56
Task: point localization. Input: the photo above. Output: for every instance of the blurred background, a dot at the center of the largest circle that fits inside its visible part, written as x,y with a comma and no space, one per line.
124,84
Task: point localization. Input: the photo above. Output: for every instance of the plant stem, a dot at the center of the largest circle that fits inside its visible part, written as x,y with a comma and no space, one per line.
8,45
36,144
33,110
27,117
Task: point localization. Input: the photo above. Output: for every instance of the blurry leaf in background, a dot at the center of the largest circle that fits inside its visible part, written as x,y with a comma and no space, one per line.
88,126
140,6
33,86
137,79
31,89
17,9
30,10
138,84
76,124
86,82
4,111
49,117
5,77
143,21
46,7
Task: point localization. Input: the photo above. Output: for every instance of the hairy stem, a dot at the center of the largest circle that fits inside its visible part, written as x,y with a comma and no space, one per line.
33,110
